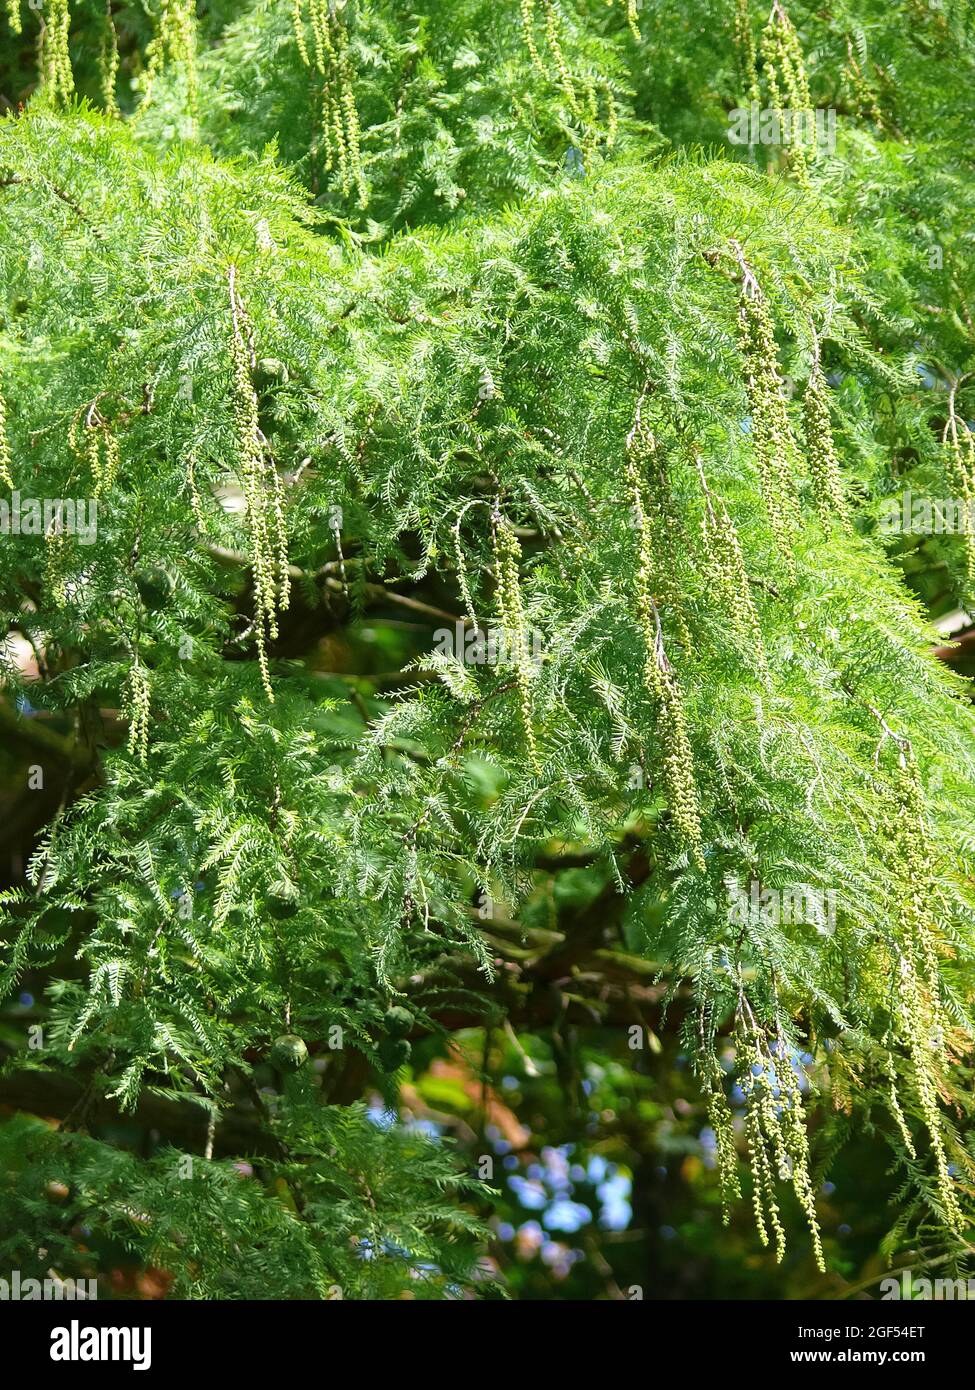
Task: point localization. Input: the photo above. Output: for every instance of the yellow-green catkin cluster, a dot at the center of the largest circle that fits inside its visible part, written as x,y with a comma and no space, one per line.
864,95
721,1120
959,465
726,565
745,47
138,694
108,61
329,56
775,1126
556,67
680,786
196,501
662,523
542,23
94,440
54,60
173,45
633,18
920,1024
785,73
55,558
771,430
511,611
6,462
12,10
829,495
262,488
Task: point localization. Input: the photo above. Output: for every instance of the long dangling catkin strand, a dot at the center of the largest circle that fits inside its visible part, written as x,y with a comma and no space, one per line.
6,462
559,73
916,984
138,697
110,465
633,18
863,92
612,117
196,501
775,1125
723,551
507,558
92,438
913,847
663,524
333,132
298,20
662,686
921,1032
276,488
108,61
553,36
959,443
54,60
331,58
785,72
12,8
771,431
351,115
726,1150
797,1143
252,470
528,25
829,495
262,489
174,44
745,46
893,1101
55,547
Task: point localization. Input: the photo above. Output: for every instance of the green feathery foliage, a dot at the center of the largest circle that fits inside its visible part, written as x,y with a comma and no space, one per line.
339,309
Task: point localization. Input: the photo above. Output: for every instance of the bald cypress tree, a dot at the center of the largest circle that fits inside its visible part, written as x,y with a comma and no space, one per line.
432,469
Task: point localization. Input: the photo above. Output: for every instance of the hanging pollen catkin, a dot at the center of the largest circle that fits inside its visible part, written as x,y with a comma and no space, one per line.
894,1104
612,117
173,45
665,535
340,117
553,36
863,93
959,465
775,1125
745,46
771,431
915,985
261,487
721,1121
12,8
137,699
829,495
54,61
55,546
99,447
507,559
196,501
785,72
6,462
108,61
678,763
559,74
724,559
633,18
